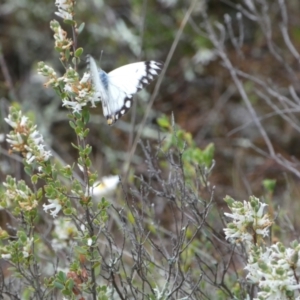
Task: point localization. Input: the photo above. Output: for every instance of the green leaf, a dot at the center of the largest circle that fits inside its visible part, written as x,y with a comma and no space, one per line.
22,236
78,52
67,54
229,201
269,185
70,284
130,218
61,276
27,293
48,169
88,162
70,22
28,170
58,49
163,122
68,211
88,150
39,193
66,292
78,130
208,154
86,115
75,60
86,132
72,124
74,146
97,268
34,179
58,285
81,27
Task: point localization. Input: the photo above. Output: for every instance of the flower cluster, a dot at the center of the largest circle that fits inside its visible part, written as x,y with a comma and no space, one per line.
249,221
24,138
19,192
79,91
275,270
65,9
20,250
48,72
64,232
62,43
76,92
25,250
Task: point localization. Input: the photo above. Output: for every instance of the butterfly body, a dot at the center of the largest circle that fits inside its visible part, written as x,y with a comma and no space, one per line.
116,88
104,78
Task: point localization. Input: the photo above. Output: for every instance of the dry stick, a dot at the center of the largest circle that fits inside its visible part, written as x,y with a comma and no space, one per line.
142,30
7,76
284,30
235,77
157,86
265,117
228,65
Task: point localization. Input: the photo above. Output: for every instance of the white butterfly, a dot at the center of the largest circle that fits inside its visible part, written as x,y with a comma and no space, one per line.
117,87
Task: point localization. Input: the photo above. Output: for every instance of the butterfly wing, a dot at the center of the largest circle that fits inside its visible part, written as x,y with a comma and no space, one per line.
134,77
117,88
100,82
99,79
125,81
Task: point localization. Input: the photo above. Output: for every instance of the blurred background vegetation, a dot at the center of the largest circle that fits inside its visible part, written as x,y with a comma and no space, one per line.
197,87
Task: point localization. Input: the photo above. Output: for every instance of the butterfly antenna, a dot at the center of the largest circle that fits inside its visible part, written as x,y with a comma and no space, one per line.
101,56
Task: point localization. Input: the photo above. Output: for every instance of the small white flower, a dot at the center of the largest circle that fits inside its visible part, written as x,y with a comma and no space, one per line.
6,256
82,93
64,232
10,122
64,228
62,4
47,155
19,138
64,14
89,242
105,186
80,167
75,106
24,120
85,78
204,56
30,157
64,9
54,204
168,3
68,88
93,100
25,254
36,137
11,141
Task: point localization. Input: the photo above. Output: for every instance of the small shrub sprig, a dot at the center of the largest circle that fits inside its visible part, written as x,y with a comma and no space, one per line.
66,198
274,269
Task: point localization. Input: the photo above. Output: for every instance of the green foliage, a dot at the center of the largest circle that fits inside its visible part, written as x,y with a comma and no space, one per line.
191,155
269,185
